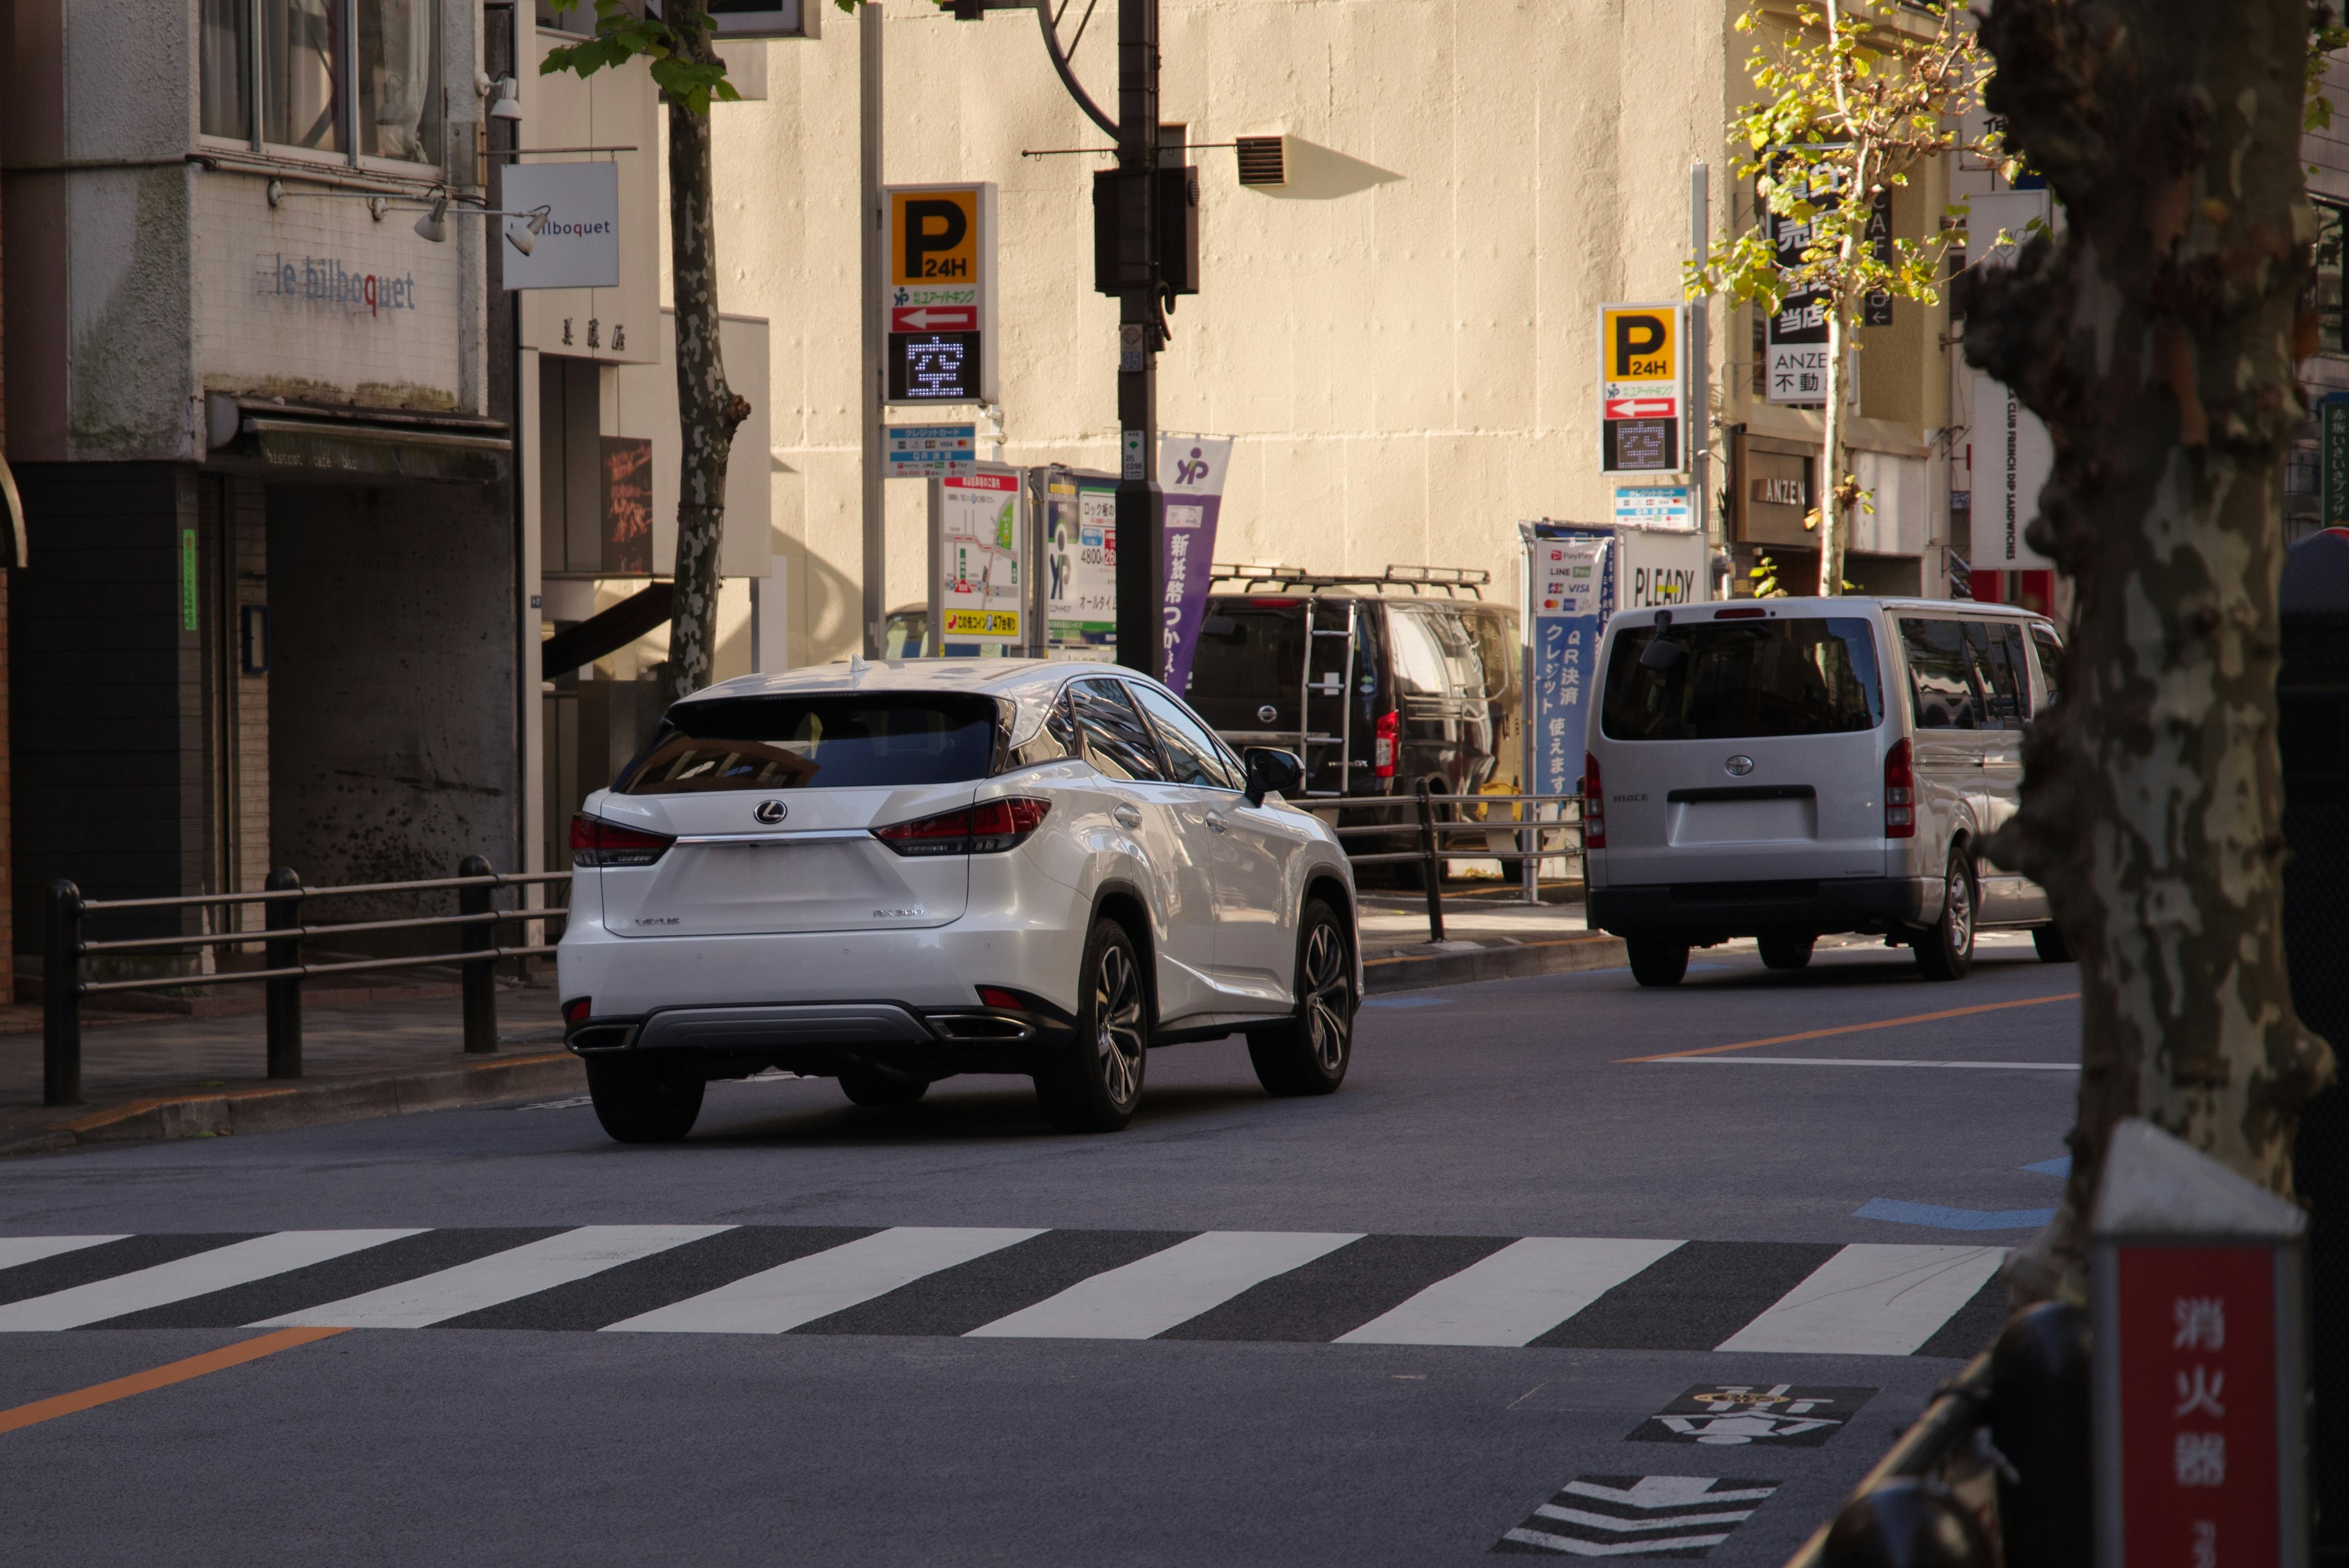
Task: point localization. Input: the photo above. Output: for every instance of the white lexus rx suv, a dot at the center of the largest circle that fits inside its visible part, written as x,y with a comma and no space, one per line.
892,872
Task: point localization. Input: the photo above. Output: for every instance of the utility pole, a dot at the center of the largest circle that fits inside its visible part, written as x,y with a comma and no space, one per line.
873,369
1141,566
1697,442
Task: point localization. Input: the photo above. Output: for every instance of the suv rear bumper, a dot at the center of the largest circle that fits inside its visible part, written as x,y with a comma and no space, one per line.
1706,912
823,1038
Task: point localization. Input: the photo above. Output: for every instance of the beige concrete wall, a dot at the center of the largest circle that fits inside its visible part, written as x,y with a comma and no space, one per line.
1404,344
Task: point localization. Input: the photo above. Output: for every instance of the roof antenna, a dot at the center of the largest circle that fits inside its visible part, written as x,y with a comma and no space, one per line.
856,665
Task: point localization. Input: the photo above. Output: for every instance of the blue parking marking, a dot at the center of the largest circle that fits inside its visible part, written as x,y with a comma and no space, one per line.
1940,1218
2060,1165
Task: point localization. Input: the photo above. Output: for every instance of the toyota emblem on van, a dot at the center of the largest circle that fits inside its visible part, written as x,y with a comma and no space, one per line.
771,811
1739,765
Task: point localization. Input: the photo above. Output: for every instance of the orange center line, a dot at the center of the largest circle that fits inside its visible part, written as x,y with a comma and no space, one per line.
161,1377
1855,1028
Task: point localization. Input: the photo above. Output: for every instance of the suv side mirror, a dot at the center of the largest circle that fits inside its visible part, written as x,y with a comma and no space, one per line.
1270,771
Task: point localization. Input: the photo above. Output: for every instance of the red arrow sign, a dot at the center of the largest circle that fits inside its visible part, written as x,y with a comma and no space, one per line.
1642,407
935,319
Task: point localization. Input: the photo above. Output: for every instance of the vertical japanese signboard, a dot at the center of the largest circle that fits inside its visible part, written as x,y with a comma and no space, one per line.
1569,577
1190,473
1080,563
1640,387
941,294
2333,454
1797,335
979,539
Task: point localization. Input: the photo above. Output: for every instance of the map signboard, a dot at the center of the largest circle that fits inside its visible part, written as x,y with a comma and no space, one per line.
980,585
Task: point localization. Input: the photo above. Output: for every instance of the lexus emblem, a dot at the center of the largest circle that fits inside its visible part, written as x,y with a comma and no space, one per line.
1738,766
773,811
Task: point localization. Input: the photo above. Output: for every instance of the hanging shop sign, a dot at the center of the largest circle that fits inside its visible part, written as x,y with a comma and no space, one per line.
577,242
2011,459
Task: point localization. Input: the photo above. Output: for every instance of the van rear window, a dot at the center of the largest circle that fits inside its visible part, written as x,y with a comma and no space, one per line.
1249,657
1798,675
869,740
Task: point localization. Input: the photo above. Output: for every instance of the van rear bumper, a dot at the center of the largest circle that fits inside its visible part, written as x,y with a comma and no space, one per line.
1715,911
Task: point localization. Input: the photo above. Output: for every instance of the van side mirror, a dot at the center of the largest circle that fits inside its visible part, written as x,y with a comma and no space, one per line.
1270,771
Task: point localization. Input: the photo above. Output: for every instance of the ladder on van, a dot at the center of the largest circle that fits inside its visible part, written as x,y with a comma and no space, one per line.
1325,736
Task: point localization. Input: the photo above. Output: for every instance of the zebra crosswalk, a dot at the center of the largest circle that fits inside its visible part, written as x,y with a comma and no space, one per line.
991,1283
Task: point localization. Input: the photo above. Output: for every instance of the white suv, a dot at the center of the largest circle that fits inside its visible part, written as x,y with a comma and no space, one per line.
892,872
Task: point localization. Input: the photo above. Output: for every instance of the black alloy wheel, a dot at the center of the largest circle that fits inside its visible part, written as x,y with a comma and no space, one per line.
1947,952
643,1101
1095,1084
1309,1054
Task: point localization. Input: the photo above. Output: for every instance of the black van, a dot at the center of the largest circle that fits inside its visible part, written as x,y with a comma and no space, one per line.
1377,682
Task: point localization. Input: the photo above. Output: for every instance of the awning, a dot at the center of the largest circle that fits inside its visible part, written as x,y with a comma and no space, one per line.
290,439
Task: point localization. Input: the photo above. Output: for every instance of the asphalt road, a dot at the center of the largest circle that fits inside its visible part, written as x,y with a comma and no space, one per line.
1243,1331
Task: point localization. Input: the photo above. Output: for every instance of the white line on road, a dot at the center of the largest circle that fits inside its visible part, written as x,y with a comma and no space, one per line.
781,1298
501,1277
1871,1299
1855,1062
15,1249
1525,1289
200,1274
1151,1294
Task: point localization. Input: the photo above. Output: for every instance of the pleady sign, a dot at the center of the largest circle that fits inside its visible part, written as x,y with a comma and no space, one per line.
578,246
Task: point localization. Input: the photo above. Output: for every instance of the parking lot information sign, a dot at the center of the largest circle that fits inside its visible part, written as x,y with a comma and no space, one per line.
1639,393
933,452
941,294
1571,581
1080,558
979,556
1655,506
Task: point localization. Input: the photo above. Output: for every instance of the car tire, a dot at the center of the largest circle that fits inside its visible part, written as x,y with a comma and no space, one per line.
1094,1085
1657,960
1309,1053
883,1089
2053,948
1779,951
1947,951
640,1101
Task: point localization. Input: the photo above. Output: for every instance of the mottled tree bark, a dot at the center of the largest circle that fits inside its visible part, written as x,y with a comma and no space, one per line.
2157,339
708,410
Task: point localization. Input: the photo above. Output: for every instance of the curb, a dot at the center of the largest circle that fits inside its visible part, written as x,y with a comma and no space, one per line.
1565,955
277,1108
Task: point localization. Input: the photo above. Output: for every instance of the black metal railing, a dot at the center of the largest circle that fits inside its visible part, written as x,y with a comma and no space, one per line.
1433,828
283,970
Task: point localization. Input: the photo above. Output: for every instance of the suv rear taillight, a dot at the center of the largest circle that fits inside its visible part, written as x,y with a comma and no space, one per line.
1382,749
1899,792
990,827
1594,805
594,842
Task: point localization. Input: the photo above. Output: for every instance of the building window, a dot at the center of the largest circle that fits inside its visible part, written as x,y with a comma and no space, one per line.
315,58
2330,338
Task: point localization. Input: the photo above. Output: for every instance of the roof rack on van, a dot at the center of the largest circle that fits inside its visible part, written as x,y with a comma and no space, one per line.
1448,578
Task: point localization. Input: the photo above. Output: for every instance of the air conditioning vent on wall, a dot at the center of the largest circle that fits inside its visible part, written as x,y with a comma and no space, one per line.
1261,161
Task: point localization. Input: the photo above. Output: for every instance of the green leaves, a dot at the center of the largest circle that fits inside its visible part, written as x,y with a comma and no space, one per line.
682,64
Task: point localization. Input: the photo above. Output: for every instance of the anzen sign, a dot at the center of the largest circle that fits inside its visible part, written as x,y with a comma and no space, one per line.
1640,387
941,294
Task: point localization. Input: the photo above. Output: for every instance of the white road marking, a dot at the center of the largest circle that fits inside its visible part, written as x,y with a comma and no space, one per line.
501,1277
1574,1548
1610,1523
1520,1293
1856,1062
1871,1299
1151,1294
200,1273
15,1249
781,1298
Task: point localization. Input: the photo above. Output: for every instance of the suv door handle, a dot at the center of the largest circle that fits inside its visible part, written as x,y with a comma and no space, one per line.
1216,821
1127,815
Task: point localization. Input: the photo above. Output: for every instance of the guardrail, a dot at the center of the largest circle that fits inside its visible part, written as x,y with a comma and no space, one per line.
1432,851
283,970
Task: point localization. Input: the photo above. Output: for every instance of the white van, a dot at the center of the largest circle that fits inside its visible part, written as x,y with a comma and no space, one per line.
1786,768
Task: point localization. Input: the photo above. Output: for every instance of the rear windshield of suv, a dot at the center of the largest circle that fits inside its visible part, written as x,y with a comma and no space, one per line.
871,740
1250,656
1796,675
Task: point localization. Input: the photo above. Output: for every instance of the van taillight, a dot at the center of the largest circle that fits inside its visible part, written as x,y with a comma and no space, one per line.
1382,749
594,842
1899,792
1594,805
988,828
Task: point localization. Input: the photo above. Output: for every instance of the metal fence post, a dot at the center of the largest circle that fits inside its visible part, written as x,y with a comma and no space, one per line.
61,998
283,1003
478,976
1431,865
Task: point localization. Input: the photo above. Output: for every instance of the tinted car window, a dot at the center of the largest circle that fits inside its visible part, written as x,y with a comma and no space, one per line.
1192,755
871,740
1250,656
1997,649
1799,675
2050,662
1940,675
1111,731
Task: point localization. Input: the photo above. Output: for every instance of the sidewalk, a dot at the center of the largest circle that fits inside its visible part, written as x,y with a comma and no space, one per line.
392,1050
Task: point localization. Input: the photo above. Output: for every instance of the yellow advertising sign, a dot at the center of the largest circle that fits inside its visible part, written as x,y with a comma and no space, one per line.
1639,343
983,623
934,236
